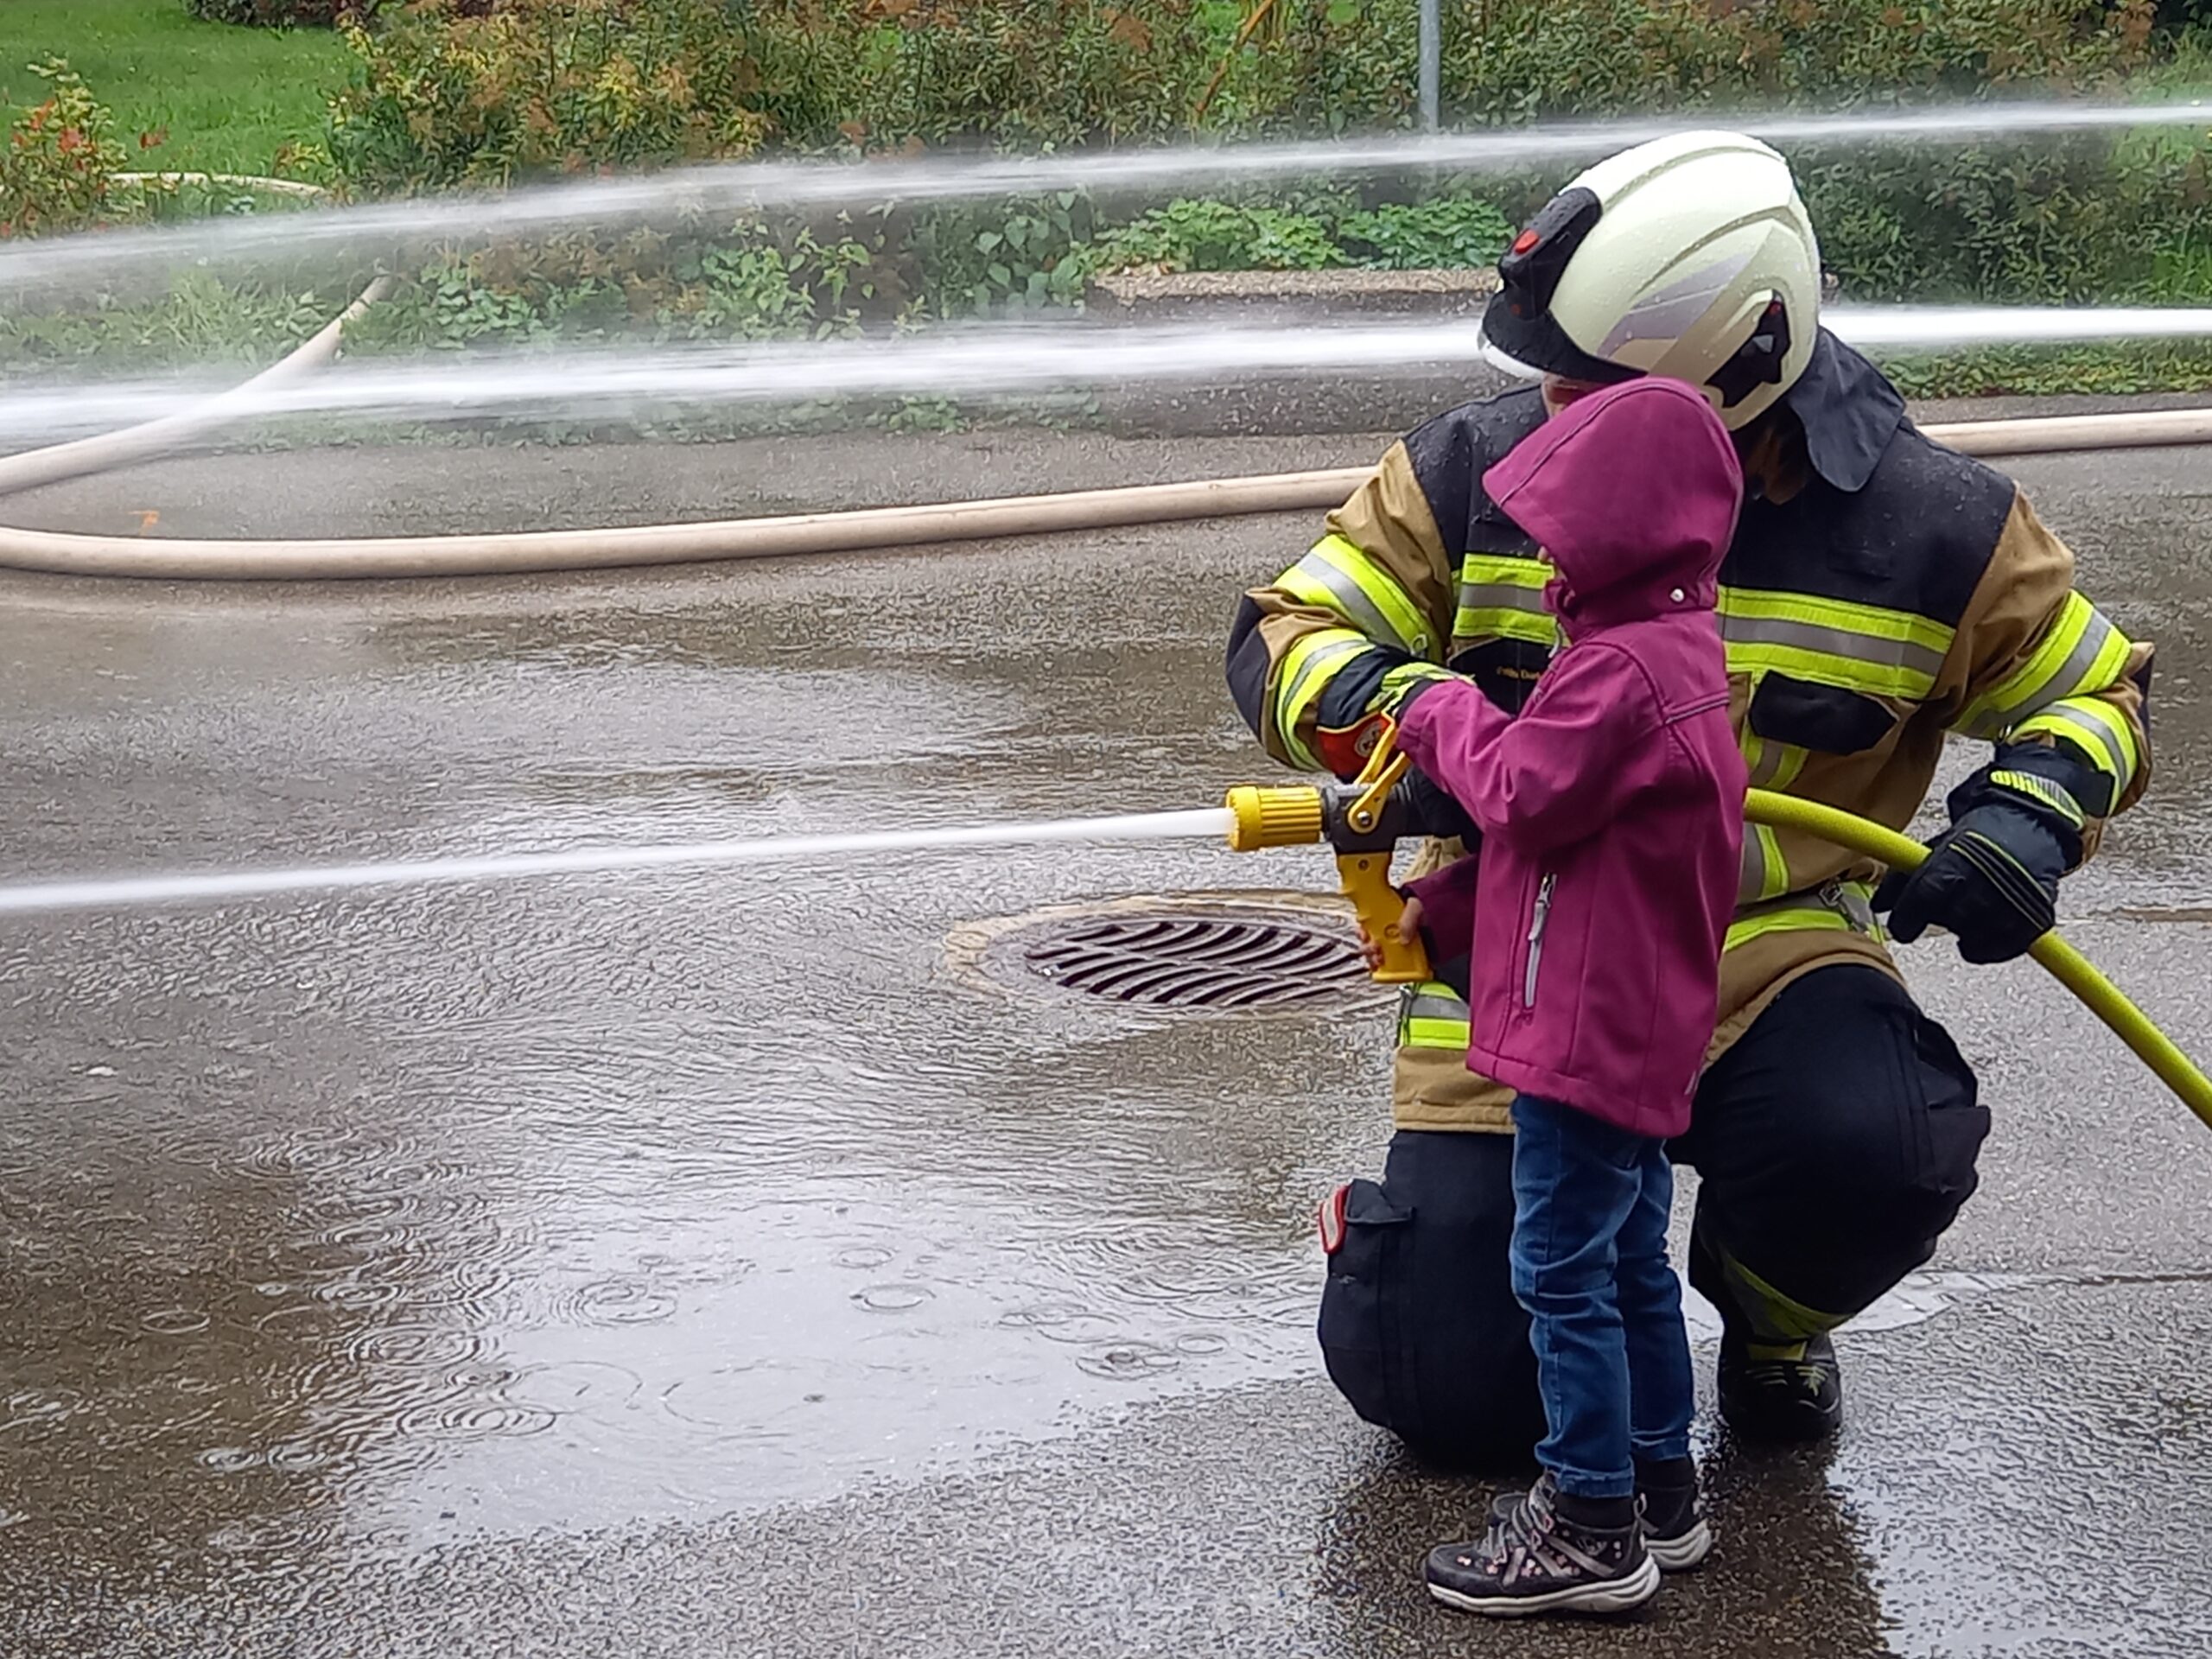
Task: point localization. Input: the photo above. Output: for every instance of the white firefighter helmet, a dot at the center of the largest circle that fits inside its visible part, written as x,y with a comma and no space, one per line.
1690,257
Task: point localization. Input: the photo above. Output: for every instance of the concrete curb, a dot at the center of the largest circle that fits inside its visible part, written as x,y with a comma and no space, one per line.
1294,299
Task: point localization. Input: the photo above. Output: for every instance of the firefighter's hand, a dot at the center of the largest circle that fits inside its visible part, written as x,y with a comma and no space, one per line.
1406,929
1991,879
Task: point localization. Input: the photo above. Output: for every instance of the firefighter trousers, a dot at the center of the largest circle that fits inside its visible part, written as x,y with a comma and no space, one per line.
1834,1143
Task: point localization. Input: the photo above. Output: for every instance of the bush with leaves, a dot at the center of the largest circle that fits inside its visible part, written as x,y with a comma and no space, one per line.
1518,59
879,74
1204,234
57,167
1452,233
446,92
282,14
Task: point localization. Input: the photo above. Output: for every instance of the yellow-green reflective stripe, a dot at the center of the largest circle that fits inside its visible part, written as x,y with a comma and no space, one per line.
1539,629
1774,1317
1312,582
1764,875
1303,676
2041,789
1502,596
1803,661
1506,571
2112,744
1840,616
1377,586
1845,906
1431,1016
1790,760
1772,765
2082,652
1396,680
1805,918
1336,576
1832,641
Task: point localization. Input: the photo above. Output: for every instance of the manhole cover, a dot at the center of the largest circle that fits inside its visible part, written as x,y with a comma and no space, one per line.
1169,954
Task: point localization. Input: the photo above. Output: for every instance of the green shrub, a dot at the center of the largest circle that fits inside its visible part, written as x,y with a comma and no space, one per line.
1208,235
449,92
56,163
2041,220
198,321
1526,58
2078,220
1447,232
984,257
878,74
282,14
445,94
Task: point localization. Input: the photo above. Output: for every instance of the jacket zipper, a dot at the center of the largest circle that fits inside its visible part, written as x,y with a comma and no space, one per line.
1536,921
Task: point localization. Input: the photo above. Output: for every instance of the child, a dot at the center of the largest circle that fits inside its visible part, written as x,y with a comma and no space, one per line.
1611,819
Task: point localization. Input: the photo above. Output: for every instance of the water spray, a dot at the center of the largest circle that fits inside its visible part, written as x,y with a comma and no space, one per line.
746,188
1000,361
1361,821
143,891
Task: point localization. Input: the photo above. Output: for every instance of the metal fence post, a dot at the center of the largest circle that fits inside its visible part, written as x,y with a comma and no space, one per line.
1431,61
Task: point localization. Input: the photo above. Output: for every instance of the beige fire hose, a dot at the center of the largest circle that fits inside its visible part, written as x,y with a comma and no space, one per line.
112,449
297,188
523,552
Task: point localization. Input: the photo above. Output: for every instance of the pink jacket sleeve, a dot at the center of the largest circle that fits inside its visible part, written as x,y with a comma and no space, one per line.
1550,775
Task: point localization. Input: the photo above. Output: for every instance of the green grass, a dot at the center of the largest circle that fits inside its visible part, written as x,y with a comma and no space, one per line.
231,97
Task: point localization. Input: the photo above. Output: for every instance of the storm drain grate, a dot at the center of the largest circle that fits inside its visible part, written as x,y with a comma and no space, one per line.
1162,959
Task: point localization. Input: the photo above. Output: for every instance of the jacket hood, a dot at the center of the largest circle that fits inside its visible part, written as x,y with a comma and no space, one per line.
1633,491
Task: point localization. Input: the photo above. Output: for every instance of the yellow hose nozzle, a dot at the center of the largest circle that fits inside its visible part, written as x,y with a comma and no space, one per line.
1289,815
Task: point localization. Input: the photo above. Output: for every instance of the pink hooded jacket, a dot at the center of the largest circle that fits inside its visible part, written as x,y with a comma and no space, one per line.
1611,807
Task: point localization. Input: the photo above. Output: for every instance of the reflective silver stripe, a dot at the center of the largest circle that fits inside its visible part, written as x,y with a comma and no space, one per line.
2066,683
1833,642
1320,658
1355,607
1751,879
1434,1005
2107,741
1501,596
1772,757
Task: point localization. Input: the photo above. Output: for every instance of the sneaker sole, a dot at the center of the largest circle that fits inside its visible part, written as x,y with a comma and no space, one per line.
1611,1596
1680,1555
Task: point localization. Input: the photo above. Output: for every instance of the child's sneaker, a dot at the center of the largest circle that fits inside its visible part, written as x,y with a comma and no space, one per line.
1537,1561
1675,1533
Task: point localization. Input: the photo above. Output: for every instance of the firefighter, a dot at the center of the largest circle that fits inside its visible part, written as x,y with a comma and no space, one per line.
1881,594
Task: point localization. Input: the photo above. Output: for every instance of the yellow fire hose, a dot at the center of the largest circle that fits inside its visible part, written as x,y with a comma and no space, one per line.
2065,964
1363,819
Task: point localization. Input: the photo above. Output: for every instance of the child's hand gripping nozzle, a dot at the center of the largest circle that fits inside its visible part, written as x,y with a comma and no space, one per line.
1363,820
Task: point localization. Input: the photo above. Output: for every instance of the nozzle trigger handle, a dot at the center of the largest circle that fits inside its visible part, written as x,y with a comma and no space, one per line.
1366,878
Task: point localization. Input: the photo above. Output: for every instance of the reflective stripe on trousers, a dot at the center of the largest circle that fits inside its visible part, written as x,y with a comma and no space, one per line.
1432,1015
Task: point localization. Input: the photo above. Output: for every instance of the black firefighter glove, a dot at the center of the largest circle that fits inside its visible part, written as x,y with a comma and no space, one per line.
1431,811
1992,878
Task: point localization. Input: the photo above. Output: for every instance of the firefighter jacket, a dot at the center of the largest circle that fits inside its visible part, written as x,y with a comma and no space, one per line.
1882,594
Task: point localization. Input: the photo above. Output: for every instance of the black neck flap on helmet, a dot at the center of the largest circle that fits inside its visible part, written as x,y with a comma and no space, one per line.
1518,319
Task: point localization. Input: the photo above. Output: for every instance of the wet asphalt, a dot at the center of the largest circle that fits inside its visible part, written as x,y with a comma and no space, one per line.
713,1261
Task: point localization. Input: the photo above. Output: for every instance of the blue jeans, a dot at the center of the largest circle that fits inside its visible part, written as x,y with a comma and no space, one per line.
1589,1205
